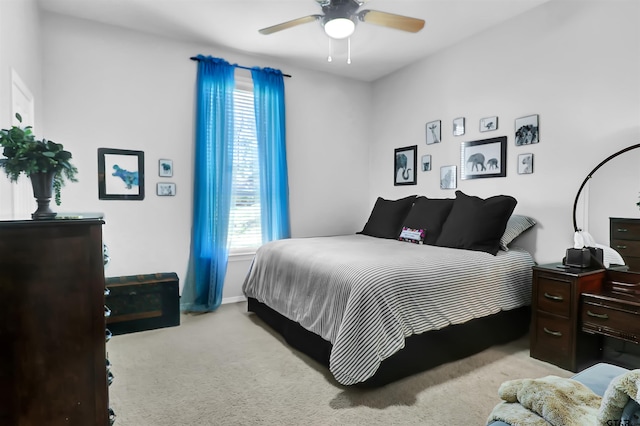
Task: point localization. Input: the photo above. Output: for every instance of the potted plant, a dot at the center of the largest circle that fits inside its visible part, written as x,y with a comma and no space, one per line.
45,162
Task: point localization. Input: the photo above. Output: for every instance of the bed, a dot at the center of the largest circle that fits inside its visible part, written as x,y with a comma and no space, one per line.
374,308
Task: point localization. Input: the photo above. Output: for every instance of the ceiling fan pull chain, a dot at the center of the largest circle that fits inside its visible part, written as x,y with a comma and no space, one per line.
349,50
330,58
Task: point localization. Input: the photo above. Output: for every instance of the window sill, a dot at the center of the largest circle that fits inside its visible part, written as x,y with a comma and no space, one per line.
242,255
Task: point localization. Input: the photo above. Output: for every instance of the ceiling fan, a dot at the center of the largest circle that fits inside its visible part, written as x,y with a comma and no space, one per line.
340,18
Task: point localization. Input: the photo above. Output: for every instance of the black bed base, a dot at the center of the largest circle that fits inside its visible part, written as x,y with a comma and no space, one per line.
421,351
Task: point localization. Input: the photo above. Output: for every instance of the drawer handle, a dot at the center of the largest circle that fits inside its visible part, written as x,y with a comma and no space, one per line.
552,297
553,333
621,247
107,312
133,293
601,316
623,230
107,335
107,291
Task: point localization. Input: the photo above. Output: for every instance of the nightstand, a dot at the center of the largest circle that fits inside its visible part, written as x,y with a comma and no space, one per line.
555,315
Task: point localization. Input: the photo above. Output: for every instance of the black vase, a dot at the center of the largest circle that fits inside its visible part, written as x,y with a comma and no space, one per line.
42,184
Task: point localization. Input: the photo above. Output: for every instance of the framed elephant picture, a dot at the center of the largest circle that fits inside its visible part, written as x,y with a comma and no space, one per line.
484,158
405,163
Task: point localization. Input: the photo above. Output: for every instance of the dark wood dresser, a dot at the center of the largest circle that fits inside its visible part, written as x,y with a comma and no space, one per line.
625,239
53,367
614,310
575,310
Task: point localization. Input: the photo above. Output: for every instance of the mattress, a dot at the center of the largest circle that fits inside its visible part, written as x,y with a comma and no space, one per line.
365,295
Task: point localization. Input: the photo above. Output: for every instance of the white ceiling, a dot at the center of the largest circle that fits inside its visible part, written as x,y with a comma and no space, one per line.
375,51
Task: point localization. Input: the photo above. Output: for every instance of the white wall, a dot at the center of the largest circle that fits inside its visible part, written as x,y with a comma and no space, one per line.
114,88
576,64
20,50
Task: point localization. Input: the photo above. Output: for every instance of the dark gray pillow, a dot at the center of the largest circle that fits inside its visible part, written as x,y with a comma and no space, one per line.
387,217
429,214
475,223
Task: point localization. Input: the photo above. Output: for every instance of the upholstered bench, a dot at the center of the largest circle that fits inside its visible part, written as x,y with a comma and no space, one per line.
596,378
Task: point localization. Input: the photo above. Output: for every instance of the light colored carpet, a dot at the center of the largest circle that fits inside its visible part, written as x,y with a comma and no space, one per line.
228,368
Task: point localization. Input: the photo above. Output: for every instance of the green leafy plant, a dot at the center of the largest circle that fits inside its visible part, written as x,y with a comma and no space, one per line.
26,154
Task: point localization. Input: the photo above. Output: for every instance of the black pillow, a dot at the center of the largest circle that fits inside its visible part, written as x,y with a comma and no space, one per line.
475,223
429,214
387,216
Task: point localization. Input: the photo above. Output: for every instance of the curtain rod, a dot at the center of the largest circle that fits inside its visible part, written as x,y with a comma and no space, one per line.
193,58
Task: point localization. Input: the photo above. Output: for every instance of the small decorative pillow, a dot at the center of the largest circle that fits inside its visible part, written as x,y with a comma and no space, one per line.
412,235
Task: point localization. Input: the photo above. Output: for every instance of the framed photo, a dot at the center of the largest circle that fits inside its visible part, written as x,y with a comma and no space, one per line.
433,132
458,126
165,189
488,124
484,158
426,163
405,162
165,168
527,130
525,164
448,177
120,174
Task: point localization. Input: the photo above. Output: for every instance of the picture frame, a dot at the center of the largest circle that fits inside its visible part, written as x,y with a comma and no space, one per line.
434,133
489,124
120,174
165,168
448,177
458,126
525,164
405,165
484,158
426,163
165,189
527,130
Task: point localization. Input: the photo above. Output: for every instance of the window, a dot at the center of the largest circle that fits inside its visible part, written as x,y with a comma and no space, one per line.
244,223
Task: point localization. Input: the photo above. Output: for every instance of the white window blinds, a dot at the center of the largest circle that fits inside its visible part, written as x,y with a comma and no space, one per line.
244,224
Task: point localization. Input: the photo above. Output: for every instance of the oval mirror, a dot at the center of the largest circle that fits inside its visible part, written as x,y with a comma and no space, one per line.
612,191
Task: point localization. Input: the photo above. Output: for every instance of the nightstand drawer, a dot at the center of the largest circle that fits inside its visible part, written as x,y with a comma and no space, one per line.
554,296
611,318
553,339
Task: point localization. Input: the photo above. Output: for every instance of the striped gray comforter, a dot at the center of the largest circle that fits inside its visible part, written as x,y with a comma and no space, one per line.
365,295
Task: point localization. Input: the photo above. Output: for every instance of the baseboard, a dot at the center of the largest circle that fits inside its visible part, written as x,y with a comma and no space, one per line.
236,299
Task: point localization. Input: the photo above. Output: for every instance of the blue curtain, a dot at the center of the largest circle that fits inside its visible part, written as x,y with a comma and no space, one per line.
268,93
212,185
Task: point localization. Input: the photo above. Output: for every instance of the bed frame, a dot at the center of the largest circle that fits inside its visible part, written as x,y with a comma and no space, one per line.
450,344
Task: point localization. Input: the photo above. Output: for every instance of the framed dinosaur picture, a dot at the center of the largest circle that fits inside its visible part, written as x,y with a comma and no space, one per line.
484,158
120,174
405,163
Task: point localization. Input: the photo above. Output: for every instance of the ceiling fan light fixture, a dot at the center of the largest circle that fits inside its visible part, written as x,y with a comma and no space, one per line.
339,28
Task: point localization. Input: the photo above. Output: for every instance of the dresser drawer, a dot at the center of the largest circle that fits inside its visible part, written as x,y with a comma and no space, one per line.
611,318
625,230
553,339
554,296
626,247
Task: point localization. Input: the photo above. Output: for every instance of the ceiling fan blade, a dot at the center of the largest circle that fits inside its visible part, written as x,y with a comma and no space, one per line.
289,24
391,20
